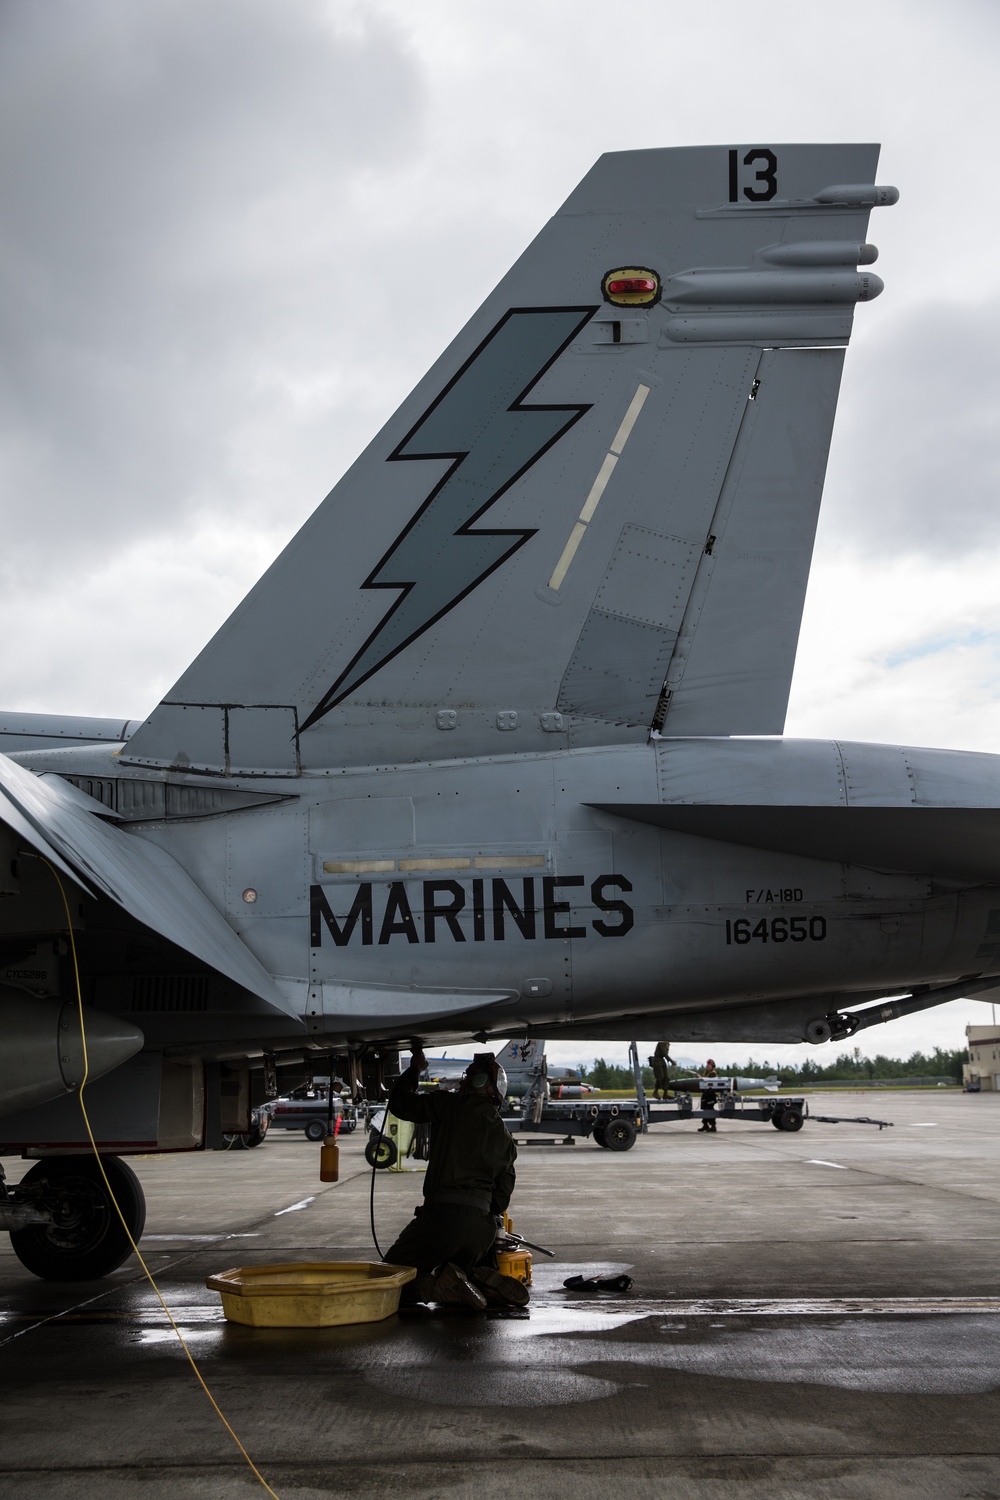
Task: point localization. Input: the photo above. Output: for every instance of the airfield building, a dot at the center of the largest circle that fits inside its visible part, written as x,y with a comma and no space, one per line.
983,1066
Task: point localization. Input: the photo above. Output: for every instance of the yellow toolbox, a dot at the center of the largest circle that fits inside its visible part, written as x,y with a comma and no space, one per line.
516,1263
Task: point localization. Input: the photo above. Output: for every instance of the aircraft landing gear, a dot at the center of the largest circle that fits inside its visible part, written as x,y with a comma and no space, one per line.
246,1140
83,1237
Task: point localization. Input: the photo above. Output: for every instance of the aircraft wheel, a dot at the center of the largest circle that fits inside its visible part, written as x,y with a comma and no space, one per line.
791,1119
619,1134
87,1238
348,1126
315,1130
234,1142
256,1133
380,1153
598,1134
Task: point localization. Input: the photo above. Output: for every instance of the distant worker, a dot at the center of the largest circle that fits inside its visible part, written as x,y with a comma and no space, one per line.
469,1182
660,1062
708,1097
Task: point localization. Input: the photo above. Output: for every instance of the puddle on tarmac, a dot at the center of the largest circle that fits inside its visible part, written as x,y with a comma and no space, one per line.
545,1361
493,1385
544,1356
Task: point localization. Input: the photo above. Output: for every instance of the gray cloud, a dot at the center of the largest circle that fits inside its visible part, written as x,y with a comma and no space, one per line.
916,460
177,179
236,233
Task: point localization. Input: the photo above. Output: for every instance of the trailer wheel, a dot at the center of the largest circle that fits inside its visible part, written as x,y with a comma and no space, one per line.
776,1119
598,1134
315,1130
791,1119
619,1134
380,1153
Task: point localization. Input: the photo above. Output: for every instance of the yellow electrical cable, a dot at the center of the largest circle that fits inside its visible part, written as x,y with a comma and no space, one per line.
90,1135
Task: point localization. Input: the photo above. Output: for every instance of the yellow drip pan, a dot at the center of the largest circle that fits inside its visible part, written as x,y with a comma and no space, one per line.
311,1294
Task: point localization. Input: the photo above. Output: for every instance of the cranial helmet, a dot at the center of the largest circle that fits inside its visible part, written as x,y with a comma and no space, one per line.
484,1072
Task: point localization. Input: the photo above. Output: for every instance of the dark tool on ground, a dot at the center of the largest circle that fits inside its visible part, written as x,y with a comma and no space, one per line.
511,1241
598,1283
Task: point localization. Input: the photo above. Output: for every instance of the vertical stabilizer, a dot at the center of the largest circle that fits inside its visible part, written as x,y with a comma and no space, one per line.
594,515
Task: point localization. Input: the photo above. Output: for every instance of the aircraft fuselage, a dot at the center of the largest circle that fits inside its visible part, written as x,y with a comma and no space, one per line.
507,893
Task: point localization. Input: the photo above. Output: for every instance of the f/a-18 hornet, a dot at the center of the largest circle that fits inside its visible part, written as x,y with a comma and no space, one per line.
493,748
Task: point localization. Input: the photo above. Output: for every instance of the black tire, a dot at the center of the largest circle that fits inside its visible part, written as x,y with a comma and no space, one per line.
776,1119
348,1126
619,1134
88,1238
255,1136
791,1119
234,1142
598,1134
316,1130
380,1153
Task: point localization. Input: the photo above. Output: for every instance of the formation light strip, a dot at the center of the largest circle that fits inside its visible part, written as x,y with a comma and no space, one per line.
442,862
598,487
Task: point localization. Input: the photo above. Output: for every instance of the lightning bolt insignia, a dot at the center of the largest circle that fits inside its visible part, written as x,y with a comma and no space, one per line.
481,422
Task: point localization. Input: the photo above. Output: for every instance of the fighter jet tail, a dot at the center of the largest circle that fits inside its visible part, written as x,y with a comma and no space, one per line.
594,516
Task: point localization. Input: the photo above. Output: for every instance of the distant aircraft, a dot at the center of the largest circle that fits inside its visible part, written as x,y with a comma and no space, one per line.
489,750
522,1061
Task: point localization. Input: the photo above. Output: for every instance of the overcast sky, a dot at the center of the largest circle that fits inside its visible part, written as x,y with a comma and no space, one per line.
236,232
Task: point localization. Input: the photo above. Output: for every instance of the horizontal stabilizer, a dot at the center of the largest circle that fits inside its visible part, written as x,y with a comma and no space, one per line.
20,732
960,843
134,873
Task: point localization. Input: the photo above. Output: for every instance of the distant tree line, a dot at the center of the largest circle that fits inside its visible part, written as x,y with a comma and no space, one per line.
605,1075
940,1063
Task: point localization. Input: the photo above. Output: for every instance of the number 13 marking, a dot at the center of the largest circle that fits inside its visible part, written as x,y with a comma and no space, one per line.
766,176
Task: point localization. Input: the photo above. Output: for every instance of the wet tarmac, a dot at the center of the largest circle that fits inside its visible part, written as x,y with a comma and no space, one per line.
813,1315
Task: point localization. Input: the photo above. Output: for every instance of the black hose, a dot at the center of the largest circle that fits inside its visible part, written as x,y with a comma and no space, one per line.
371,1192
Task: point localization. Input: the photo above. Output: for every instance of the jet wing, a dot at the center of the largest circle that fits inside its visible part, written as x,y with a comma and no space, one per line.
962,843
55,821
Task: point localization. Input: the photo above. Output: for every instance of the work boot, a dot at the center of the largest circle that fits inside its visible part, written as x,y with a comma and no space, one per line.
452,1285
498,1289
421,1289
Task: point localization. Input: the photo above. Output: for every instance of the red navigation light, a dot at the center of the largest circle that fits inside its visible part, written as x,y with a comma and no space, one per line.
631,286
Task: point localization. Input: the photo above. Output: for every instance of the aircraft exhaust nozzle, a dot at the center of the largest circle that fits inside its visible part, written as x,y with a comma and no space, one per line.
42,1056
